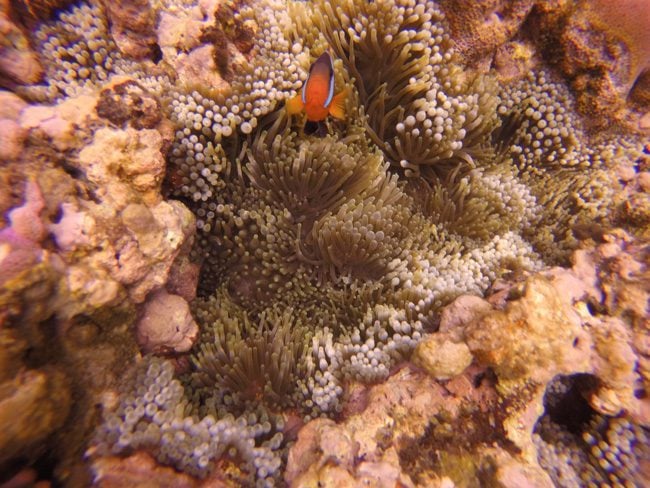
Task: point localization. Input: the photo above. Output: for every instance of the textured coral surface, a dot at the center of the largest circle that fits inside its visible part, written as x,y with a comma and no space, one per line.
448,287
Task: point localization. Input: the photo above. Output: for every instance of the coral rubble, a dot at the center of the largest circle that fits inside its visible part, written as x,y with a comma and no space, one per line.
227,296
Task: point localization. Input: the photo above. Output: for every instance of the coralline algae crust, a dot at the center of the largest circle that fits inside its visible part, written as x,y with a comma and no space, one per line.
278,284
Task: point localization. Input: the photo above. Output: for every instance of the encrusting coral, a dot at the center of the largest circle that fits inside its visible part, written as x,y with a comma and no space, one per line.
324,261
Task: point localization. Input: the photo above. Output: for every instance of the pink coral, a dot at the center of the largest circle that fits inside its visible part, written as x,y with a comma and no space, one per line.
25,220
73,229
20,242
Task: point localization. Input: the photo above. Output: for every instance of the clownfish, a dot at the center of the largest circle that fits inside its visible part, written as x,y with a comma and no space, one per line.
317,97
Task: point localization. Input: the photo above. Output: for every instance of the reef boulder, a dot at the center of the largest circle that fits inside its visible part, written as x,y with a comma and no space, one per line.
166,324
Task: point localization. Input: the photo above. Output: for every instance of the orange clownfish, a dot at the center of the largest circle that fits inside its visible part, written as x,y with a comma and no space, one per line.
317,97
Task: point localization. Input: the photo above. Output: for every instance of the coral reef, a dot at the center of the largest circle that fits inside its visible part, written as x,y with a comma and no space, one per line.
564,414
87,240
601,48
166,324
152,421
421,111
479,29
77,51
600,451
224,295
12,135
19,64
604,53
415,431
133,28
34,404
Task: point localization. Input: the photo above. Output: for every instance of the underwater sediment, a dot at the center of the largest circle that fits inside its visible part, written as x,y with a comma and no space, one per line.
446,285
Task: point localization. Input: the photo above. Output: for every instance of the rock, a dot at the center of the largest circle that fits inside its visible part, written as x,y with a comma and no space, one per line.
183,278
513,60
17,61
86,238
615,365
355,399
32,405
628,22
12,134
133,27
461,311
22,260
73,229
198,68
590,319
12,348
377,446
478,28
319,442
441,357
11,105
166,324
584,268
138,469
179,31
185,40
644,121
87,289
644,181
570,286
65,125
603,48
15,260
533,339
328,457
139,220
129,240
11,139
145,262
125,102
127,165
385,473
512,473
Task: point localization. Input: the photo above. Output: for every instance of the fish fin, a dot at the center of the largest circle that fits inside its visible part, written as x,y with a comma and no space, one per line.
321,131
315,128
294,105
337,107
311,127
